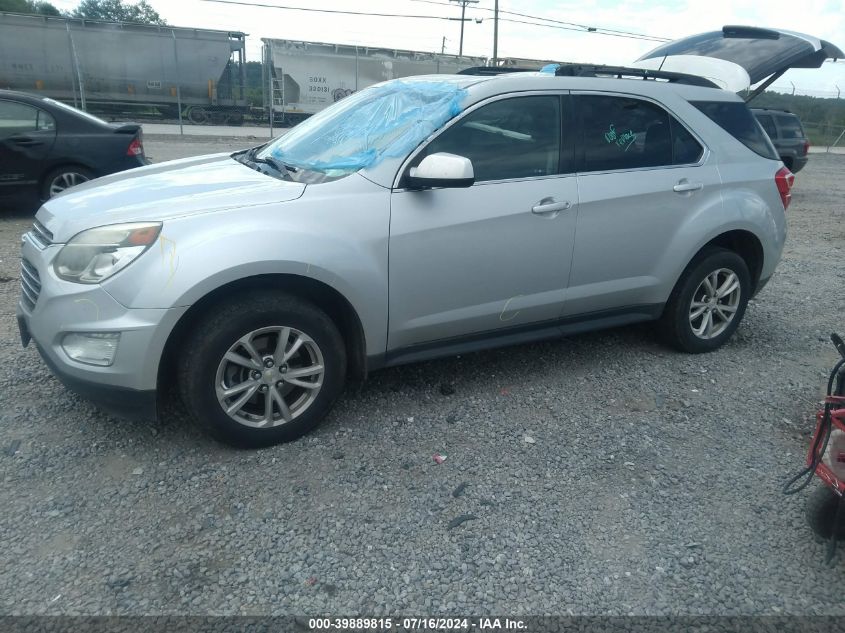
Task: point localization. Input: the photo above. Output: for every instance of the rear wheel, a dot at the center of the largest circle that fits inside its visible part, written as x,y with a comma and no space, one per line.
708,302
62,179
262,369
821,513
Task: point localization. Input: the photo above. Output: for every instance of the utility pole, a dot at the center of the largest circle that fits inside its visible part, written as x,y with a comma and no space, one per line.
464,4
443,46
496,34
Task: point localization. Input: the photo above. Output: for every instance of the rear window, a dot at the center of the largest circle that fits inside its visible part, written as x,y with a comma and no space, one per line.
790,126
736,119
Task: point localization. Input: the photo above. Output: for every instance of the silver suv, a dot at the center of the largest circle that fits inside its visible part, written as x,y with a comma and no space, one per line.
417,218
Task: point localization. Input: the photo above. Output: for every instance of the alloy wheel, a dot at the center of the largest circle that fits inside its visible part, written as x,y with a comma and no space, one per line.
66,180
269,376
715,303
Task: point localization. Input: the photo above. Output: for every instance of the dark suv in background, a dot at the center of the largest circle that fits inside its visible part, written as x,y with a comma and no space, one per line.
787,134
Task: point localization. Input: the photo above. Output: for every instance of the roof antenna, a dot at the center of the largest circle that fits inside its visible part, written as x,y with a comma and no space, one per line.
662,62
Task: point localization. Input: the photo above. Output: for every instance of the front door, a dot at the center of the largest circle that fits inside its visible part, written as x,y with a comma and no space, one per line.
493,257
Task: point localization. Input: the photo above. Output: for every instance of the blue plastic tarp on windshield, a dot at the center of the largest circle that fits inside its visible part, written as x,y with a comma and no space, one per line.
387,120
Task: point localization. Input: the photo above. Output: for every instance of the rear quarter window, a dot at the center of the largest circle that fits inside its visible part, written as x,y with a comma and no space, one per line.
737,120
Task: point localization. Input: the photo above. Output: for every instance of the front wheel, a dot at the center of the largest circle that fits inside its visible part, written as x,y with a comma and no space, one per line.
708,302
263,368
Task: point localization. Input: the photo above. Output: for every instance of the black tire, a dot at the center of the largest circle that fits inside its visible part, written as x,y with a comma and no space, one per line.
76,172
821,513
204,350
675,326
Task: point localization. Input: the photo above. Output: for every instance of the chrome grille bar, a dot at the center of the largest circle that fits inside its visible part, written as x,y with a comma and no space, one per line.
41,234
30,284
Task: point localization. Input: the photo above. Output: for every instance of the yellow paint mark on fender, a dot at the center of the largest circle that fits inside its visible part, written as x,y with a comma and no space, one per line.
168,252
96,307
509,317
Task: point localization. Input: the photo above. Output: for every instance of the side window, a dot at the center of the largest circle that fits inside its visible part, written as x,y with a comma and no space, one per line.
736,119
685,149
627,133
768,124
17,118
45,122
510,138
790,127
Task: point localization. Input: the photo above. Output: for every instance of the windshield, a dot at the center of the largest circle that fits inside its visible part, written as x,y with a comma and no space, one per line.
385,120
76,111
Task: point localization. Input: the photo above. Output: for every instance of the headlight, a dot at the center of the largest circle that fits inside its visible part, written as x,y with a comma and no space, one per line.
96,254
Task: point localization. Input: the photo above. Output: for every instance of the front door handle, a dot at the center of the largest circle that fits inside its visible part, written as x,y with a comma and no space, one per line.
25,141
550,207
684,186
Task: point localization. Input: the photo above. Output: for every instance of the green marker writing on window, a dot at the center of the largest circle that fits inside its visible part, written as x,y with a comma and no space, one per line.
625,140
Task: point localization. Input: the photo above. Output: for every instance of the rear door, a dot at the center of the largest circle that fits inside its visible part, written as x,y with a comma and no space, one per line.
496,255
27,134
641,175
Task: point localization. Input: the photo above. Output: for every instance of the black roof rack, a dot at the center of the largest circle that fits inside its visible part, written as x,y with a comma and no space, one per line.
495,70
594,70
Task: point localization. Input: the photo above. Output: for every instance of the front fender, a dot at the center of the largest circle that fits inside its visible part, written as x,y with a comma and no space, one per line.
337,235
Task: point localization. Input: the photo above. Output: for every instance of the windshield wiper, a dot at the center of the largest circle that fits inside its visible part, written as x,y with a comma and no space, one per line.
272,162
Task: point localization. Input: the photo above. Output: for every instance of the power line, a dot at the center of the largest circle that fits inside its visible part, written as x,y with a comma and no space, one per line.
584,28
558,24
374,15
592,30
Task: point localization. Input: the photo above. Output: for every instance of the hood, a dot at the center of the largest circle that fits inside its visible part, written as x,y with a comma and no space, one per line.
161,192
738,57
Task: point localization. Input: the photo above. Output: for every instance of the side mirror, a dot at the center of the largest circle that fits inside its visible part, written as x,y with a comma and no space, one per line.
441,170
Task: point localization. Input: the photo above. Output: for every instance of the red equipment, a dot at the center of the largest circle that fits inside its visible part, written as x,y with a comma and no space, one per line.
826,460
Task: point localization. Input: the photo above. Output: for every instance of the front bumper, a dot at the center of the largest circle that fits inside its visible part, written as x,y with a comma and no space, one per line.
127,387
132,404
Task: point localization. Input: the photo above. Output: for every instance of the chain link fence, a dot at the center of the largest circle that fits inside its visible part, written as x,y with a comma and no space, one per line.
825,135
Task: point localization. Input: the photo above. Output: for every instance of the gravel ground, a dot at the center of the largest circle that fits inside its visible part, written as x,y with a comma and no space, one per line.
600,474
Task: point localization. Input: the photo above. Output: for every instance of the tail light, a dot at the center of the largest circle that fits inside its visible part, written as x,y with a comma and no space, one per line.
784,179
806,147
136,147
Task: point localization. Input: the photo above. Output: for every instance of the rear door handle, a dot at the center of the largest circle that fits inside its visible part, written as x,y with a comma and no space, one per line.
550,207
684,186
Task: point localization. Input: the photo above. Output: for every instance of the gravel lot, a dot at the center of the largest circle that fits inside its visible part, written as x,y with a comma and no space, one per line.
601,474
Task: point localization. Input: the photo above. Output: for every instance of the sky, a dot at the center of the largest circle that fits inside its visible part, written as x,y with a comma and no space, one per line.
662,18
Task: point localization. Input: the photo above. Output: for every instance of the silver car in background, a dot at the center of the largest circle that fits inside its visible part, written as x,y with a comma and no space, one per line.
418,218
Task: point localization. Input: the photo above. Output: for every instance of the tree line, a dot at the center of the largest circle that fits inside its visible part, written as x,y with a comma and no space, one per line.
109,10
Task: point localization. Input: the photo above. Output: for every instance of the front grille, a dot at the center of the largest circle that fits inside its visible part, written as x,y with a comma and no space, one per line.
30,284
42,236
